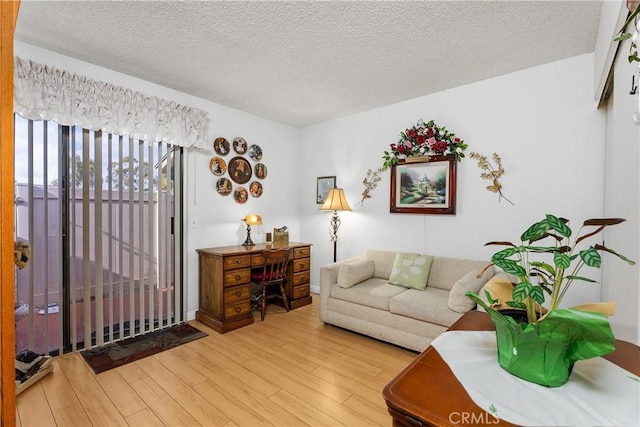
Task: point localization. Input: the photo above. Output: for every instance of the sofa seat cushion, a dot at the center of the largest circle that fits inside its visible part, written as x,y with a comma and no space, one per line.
374,292
384,325
430,305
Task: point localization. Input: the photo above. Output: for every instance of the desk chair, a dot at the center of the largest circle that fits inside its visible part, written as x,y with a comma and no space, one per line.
273,274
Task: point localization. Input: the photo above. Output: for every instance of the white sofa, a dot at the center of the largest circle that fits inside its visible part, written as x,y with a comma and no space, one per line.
355,294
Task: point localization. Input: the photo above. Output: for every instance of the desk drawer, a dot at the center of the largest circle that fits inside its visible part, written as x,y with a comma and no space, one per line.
257,260
237,261
301,252
237,294
236,277
301,264
301,278
301,291
232,310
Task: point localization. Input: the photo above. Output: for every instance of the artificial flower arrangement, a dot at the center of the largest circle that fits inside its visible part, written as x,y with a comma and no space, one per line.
543,348
370,181
421,140
424,139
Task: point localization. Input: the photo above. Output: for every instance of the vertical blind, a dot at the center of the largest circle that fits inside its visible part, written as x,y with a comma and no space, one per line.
102,214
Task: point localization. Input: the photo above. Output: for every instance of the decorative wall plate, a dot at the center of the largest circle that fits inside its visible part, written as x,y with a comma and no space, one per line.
223,186
260,170
240,170
255,189
222,146
255,152
240,195
217,166
240,145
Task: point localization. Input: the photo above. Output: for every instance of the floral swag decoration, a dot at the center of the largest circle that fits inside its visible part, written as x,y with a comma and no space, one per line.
424,139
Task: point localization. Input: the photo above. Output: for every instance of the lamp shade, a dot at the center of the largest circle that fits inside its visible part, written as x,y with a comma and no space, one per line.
336,201
253,219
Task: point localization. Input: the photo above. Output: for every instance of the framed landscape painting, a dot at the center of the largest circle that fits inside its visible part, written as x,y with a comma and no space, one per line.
424,185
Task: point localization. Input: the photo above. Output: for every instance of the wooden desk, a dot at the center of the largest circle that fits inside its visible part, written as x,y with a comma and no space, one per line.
427,393
224,276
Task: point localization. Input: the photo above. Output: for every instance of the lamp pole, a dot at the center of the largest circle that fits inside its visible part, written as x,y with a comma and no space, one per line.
335,224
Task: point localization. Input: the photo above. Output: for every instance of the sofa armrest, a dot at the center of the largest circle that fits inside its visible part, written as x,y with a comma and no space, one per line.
329,277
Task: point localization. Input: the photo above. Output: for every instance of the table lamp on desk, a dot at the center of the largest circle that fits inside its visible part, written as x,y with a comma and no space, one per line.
251,220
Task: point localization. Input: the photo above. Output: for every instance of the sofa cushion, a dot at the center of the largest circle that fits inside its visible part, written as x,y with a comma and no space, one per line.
383,262
458,301
355,272
429,305
411,270
374,293
445,272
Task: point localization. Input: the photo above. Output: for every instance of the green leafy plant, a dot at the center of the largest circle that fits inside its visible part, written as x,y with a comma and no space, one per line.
560,266
635,36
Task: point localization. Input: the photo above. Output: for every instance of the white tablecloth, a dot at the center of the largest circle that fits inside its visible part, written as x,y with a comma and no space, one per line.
598,392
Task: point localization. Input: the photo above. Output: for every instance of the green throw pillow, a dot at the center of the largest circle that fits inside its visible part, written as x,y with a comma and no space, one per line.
411,270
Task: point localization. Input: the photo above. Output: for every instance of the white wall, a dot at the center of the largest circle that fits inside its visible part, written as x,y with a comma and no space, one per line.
622,199
217,218
543,123
541,120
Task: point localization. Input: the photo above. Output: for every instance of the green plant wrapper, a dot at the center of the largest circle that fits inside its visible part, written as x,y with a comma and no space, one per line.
544,352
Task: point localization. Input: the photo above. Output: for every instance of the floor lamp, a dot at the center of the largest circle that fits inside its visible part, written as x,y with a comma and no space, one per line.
335,201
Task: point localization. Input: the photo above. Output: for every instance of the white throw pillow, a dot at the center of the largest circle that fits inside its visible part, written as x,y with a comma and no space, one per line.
411,270
355,272
458,301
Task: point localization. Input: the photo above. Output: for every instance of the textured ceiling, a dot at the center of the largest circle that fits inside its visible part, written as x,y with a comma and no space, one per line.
306,62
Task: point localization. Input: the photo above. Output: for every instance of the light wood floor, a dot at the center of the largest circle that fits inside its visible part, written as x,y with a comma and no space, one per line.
290,370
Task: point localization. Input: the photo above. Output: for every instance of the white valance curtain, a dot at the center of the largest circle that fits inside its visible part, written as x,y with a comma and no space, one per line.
43,92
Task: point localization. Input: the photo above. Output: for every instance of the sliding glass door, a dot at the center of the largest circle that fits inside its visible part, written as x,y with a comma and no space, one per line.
102,215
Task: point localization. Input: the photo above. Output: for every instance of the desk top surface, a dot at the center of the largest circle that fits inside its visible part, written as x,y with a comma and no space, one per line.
258,247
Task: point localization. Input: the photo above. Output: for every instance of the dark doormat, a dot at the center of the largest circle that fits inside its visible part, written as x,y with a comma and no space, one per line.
131,349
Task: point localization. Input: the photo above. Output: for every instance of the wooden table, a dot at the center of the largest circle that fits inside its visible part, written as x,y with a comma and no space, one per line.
427,393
